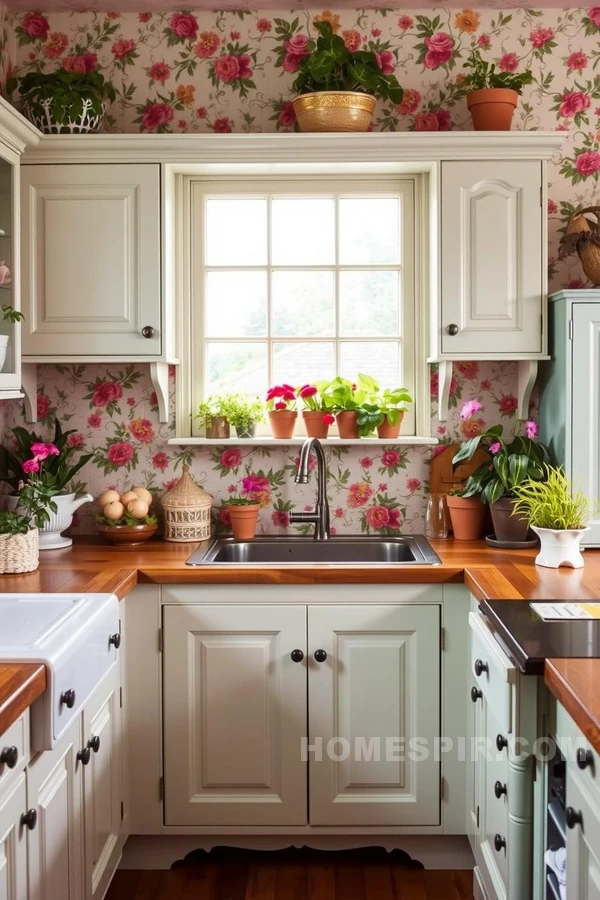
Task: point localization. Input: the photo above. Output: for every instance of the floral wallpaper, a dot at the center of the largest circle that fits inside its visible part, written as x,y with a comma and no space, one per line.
201,71
372,489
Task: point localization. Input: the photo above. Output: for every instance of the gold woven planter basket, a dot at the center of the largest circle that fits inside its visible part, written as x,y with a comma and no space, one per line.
187,509
334,111
19,552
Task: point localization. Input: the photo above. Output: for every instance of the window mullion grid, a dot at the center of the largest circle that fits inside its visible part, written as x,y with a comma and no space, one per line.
270,380
336,287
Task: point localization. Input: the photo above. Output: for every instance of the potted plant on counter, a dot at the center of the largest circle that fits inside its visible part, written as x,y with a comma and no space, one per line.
244,509
492,95
53,465
316,413
19,529
338,87
558,516
282,412
512,462
244,413
64,102
466,514
212,417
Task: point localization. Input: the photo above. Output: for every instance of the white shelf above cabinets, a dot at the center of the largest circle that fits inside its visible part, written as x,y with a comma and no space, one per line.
526,375
267,441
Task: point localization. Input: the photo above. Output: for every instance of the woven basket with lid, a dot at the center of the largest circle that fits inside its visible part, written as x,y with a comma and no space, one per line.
187,511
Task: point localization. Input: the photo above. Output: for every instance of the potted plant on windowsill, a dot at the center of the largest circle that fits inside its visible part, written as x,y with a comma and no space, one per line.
244,413
212,417
511,464
316,414
244,509
19,529
282,412
345,399
51,464
558,516
492,96
385,412
338,87
64,102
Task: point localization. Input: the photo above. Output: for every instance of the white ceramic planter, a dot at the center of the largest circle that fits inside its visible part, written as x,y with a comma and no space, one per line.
559,547
50,535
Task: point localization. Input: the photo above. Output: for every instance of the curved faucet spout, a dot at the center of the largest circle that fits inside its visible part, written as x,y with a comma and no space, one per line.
320,517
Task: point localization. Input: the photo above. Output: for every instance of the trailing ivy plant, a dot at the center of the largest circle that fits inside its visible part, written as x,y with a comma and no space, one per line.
330,66
483,75
68,92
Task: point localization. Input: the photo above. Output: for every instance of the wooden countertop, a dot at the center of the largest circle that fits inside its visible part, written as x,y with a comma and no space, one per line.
20,685
93,566
575,683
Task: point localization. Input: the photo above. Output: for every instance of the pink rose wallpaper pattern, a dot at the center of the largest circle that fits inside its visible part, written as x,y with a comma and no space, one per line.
372,489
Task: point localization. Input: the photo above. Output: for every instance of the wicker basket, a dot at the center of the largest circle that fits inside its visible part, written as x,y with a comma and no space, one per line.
590,255
19,552
187,511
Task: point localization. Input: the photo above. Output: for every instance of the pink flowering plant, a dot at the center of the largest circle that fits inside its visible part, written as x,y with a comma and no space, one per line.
250,493
35,502
54,463
329,65
315,401
511,462
281,397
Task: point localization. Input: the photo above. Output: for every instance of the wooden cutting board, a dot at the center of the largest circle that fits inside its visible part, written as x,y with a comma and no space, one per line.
443,478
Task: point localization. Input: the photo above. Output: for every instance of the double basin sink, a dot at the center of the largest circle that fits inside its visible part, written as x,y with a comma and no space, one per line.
359,551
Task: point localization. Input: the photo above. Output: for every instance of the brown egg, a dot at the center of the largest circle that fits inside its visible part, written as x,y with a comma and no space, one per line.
114,510
127,497
143,494
138,508
108,497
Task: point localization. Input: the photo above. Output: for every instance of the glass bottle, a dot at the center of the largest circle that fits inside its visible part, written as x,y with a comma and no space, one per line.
436,521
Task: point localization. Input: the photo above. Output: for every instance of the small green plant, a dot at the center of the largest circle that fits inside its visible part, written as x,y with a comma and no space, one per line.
341,394
35,499
209,409
330,66
483,75
68,92
550,503
242,412
11,315
387,405
127,520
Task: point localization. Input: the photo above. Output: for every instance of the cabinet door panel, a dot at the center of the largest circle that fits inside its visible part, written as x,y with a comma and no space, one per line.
235,714
583,843
13,844
585,417
56,843
491,275
91,260
377,691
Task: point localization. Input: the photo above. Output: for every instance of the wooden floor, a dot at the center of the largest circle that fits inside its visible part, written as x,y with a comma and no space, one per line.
277,881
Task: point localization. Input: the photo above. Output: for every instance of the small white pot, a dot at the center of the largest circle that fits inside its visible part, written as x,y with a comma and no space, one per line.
3,349
50,533
559,547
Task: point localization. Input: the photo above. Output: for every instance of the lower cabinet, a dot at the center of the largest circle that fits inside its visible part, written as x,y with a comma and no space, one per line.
13,842
241,744
583,839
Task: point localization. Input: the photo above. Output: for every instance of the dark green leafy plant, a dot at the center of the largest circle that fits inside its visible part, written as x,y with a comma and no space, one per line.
57,470
332,67
11,315
68,92
35,499
483,75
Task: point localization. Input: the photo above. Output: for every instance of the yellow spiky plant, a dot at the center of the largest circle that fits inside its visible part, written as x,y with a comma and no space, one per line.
551,503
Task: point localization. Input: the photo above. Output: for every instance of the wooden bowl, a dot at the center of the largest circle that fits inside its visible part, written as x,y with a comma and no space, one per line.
131,535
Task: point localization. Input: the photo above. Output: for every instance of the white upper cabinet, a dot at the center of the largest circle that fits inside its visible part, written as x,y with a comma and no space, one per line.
91,261
493,254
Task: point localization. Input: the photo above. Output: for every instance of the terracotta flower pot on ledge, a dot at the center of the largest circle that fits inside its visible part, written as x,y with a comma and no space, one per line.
283,422
314,424
492,109
387,431
347,423
466,515
243,520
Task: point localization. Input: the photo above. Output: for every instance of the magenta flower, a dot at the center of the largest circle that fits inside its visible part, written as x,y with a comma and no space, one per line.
252,485
470,408
43,451
308,390
495,447
31,465
328,419
531,429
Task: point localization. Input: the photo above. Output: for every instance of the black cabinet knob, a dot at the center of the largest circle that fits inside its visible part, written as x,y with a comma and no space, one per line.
84,755
499,843
68,698
480,667
501,742
29,819
94,743
452,330
9,757
573,817
115,640
148,331
475,694
320,656
297,655
499,789
585,758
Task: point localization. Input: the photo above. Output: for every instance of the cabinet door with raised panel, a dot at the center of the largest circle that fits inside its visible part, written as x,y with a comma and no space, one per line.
13,843
91,274
234,715
583,841
54,790
585,437
491,258
374,702
102,785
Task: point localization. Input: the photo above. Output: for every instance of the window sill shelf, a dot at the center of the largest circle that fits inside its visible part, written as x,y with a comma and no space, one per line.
267,441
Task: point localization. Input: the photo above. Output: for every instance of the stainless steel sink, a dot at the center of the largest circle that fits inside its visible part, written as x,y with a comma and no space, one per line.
405,551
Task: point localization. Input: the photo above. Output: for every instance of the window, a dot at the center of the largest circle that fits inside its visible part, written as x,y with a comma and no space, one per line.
295,280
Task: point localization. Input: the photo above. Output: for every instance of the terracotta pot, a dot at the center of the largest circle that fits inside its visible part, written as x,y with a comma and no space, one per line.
506,526
314,424
492,108
334,111
218,428
347,423
387,431
466,515
243,520
283,422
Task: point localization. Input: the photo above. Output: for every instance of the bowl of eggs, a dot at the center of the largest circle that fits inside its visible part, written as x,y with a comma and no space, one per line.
126,517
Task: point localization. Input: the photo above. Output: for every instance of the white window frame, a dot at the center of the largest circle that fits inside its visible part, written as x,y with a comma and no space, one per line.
414,273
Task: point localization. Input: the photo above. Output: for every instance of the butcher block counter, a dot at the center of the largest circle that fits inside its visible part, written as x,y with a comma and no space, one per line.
93,566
